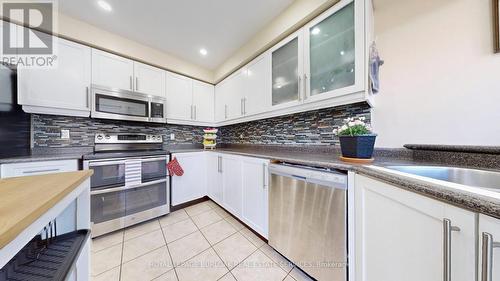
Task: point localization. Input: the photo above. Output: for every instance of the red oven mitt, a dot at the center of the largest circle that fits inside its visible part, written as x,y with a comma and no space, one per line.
174,168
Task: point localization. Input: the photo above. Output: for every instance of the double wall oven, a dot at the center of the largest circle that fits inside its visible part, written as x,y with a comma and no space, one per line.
128,186
109,103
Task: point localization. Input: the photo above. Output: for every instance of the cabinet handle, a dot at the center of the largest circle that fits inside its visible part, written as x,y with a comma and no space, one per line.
220,165
241,106
264,170
137,83
88,97
195,112
304,93
191,112
131,83
447,229
245,105
299,90
40,171
487,257
225,111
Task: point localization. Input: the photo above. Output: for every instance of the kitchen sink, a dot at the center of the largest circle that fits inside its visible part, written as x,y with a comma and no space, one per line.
471,177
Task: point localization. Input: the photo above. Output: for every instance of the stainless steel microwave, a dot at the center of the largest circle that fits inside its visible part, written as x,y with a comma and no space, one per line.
118,104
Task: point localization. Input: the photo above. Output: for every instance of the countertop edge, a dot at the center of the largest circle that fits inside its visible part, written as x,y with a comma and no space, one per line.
10,234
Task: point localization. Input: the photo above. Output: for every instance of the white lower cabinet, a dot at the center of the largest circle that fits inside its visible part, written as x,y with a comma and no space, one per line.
401,235
193,184
255,194
37,168
214,177
489,248
232,188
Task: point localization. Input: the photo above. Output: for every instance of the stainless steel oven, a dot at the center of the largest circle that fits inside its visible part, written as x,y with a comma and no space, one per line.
127,187
118,104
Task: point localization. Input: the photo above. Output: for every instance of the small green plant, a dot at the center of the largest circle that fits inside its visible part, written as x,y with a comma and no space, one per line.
354,127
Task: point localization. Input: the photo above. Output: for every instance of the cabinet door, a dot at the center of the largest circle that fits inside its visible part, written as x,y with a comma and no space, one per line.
286,73
63,87
235,87
149,80
112,71
258,86
232,184
255,194
193,183
489,247
400,233
214,177
179,97
331,51
203,102
221,96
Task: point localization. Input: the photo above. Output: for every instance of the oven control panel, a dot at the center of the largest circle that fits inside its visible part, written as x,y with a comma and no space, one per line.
101,138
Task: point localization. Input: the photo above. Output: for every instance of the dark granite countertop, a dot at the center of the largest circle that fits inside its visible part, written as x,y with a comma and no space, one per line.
41,157
326,157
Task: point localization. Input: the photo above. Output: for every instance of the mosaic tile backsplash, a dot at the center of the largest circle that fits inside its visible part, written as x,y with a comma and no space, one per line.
313,127
47,131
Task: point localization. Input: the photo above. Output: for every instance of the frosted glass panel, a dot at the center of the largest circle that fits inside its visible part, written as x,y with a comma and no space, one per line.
332,52
285,73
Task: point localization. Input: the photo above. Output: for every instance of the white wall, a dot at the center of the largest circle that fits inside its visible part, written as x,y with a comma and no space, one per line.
440,80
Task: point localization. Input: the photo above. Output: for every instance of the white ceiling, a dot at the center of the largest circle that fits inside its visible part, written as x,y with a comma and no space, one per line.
182,27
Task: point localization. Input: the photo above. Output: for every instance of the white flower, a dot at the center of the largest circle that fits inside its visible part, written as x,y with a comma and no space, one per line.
362,118
335,131
359,122
350,124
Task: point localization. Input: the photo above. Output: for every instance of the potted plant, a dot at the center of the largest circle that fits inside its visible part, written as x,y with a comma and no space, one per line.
356,138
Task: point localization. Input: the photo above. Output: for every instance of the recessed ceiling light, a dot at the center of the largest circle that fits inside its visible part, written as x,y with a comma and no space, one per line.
104,5
315,31
342,53
203,52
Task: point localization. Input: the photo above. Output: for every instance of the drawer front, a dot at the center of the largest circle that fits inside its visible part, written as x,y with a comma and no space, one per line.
37,168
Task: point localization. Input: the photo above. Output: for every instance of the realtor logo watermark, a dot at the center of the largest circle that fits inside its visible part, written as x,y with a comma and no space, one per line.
33,45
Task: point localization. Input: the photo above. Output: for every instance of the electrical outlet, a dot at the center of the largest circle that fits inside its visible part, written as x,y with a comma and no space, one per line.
65,134
172,136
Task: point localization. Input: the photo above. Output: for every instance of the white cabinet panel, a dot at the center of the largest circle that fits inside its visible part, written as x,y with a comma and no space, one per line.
64,87
203,102
149,80
214,177
112,71
232,184
179,97
401,233
37,168
489,239
255,194
258,86
221,96
193,183
235,87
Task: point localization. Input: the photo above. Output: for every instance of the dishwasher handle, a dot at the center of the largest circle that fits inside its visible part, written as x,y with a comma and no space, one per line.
326,178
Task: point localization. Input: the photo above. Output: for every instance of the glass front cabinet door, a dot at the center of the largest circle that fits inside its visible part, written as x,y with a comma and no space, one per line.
334,53
286,66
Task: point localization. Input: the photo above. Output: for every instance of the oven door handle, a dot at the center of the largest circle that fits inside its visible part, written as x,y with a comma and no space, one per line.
123,188
163,158
106,163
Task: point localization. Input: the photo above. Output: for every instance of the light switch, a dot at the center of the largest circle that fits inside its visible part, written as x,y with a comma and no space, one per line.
172,136
65,134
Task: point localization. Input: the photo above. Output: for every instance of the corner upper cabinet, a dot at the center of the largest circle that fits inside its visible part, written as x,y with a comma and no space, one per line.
203,102
149,80
257,96
334,52
286,73
62,90
179,97
112,71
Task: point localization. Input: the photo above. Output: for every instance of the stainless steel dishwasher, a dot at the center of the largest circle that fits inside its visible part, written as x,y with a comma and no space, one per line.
308,219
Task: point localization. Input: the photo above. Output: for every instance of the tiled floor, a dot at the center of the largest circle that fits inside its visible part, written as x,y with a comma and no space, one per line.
200,242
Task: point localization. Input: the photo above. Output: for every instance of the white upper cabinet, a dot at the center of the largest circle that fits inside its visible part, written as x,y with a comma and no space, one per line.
489,248
258,89
286,74
203,102
63,89
236,93
112,71
149,80
400,233
179,97
334,52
